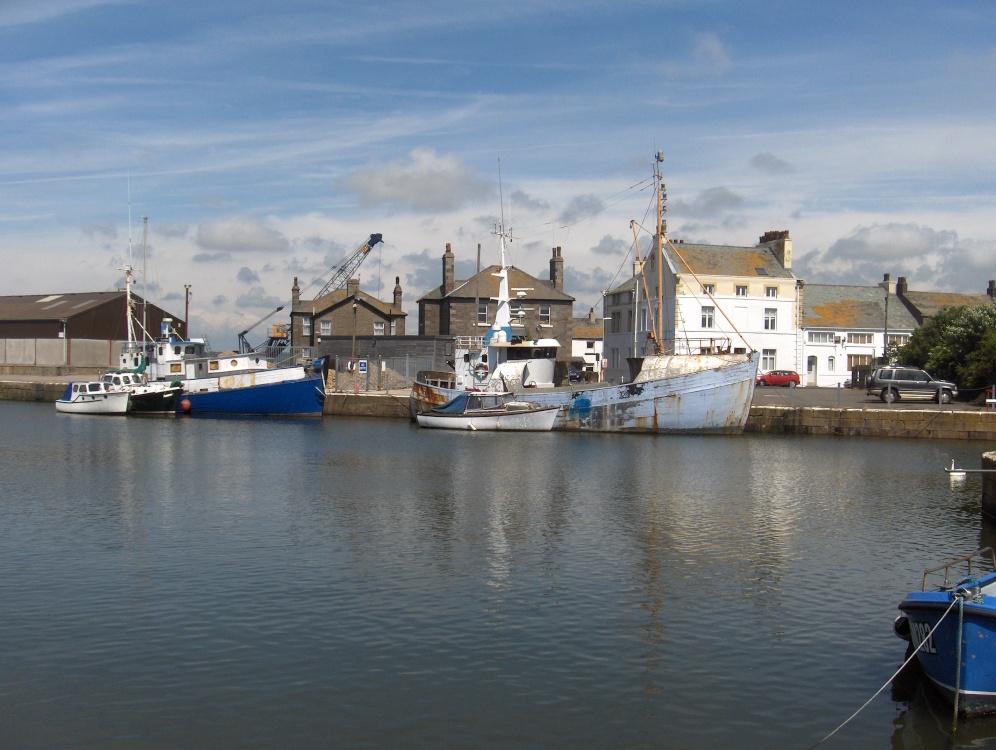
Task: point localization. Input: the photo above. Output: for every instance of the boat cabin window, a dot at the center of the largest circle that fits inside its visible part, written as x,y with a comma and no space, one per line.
176,350
76,388
537,352
94,387
189,350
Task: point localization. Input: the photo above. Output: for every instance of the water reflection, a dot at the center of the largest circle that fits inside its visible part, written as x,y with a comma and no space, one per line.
278,582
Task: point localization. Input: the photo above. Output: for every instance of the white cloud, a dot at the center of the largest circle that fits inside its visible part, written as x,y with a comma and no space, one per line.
930,259
711,57
768,162
424,182
239,233
610,245
712,204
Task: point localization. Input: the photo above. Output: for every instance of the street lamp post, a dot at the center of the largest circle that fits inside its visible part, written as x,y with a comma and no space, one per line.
352,354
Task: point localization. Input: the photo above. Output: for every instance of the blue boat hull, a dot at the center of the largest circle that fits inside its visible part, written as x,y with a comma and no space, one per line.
291,398
939,653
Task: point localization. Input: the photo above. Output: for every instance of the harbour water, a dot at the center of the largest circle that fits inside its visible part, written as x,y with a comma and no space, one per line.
235,583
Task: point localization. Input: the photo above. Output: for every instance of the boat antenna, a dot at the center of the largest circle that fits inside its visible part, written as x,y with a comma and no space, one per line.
129,219
145,295
501,194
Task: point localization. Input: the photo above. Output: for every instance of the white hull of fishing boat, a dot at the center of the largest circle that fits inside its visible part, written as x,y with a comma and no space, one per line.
708,393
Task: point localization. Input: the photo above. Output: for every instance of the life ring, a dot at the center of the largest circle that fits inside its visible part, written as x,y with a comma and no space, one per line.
480,370
351,365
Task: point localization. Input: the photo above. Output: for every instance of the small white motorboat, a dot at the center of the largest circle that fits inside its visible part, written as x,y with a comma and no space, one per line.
93,397
489,411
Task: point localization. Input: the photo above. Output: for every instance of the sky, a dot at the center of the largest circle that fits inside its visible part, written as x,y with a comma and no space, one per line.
267,140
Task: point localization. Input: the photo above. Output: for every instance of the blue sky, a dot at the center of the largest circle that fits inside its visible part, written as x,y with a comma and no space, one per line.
266,140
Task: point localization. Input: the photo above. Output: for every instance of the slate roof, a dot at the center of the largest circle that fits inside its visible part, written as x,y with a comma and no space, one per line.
928,304
339,296
485,285
626,286
841,307
47,307
582,328
726,260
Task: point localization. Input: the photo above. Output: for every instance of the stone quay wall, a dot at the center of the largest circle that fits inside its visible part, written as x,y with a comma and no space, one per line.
891,422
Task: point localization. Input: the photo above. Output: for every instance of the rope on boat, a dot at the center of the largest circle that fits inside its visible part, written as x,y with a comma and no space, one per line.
846,721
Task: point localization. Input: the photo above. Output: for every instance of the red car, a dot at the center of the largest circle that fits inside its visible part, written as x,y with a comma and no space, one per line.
779,377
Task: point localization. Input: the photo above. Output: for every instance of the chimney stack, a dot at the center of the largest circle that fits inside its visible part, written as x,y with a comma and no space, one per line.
557,270
449,280
781,245
352,287
397,293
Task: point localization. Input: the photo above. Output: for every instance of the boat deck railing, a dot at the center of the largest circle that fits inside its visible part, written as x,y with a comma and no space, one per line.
699,346
985,556
470,343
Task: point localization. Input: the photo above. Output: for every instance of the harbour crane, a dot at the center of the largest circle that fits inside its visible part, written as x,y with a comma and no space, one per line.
341,273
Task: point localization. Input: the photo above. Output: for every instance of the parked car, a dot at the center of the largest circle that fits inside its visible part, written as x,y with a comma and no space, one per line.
893,383
574,374
779,377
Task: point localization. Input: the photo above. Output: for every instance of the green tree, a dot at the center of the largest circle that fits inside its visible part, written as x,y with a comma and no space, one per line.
958,344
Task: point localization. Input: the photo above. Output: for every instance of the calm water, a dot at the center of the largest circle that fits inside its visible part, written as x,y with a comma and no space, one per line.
361,583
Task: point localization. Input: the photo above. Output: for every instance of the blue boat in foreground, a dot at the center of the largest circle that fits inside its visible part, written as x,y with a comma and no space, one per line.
953,628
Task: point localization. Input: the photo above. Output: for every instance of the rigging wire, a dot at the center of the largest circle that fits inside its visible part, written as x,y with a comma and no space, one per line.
564,223
895,674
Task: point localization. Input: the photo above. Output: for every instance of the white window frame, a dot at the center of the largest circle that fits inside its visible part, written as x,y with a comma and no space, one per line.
771,291
768,360
741,290
378,328
325,326
306,326
770,319
708,317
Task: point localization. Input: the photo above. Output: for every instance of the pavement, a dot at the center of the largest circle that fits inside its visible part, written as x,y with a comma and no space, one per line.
848,398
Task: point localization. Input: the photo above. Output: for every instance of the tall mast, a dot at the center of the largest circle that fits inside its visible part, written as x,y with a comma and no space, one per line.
131,318
661,230
501,329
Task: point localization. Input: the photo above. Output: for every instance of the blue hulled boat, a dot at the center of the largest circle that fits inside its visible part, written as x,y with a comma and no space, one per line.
953,628
231,383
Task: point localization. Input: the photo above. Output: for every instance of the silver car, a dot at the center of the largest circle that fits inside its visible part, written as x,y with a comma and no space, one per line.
893,383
